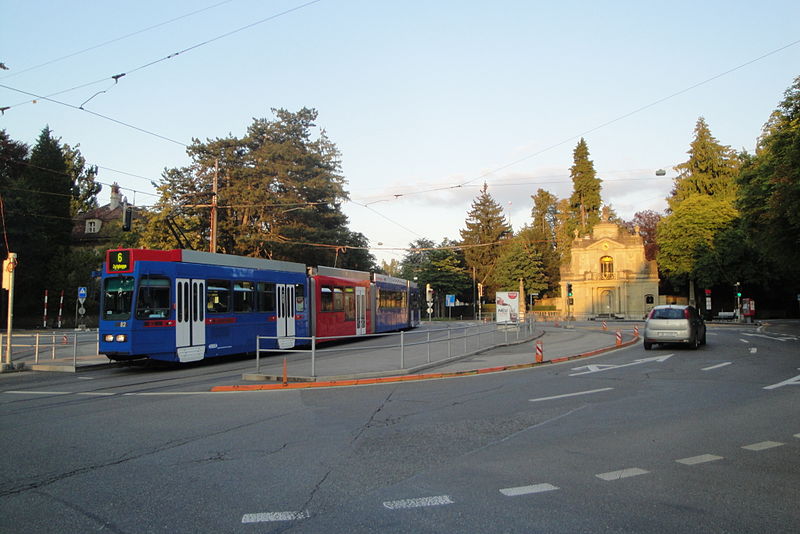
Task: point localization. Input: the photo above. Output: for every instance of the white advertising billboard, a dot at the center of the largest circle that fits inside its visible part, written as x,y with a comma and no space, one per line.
507,306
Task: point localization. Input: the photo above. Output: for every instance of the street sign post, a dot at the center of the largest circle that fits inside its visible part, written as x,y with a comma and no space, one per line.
79,309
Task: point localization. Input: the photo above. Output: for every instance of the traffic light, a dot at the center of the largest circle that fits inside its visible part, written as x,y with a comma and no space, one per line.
127,218
480,289
428,293
738,293
569,290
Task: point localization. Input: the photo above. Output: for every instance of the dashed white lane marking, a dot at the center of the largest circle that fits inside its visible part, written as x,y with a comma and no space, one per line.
622,473
274,516
589,392
703,458
764,445
418,502
716,366
96,394
39,392
527,490
743,340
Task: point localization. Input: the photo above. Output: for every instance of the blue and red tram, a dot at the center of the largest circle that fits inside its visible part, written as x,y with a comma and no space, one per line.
339,302
183,306
396,303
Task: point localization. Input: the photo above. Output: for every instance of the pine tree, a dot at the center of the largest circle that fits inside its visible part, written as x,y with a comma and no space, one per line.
701,207
520,260
585,200
39,222
84,186
541,236
280,195
710,170
486,229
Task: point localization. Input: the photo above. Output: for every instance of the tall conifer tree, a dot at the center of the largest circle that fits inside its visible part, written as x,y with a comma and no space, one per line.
486,228
710,170
585,200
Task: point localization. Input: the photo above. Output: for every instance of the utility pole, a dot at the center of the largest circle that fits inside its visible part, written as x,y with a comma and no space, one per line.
214,206
8,283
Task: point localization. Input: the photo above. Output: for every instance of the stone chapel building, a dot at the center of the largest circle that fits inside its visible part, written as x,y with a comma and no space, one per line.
610,275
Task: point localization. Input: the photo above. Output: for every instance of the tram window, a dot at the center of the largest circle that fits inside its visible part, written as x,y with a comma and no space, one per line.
117,298
392,299
243,297
266,296
153,299
326,299
217,294
349,304
338,299
299,298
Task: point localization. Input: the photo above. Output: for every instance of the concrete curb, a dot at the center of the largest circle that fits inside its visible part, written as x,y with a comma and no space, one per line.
409,378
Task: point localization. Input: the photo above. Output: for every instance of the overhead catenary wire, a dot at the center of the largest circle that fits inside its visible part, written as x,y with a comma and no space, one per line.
116,77
114,40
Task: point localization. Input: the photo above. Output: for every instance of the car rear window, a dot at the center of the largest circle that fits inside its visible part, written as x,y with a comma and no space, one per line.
667,313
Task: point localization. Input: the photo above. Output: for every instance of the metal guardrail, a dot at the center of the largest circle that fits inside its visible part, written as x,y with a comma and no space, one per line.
48,347
404,353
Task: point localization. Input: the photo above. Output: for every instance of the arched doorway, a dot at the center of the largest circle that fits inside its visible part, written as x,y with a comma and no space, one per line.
608,302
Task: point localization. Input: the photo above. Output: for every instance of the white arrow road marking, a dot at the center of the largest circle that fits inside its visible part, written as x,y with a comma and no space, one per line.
762,446
418,502
791,382
596,368
622,473
703,458
570,394
527,490
274,516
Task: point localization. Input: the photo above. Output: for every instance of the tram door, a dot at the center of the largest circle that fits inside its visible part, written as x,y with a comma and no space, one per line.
284,310
361,311
190,319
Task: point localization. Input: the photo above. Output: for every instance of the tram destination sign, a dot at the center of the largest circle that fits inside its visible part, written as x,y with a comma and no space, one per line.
119,261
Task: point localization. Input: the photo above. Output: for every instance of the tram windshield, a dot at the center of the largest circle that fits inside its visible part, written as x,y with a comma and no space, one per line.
117,298
153,298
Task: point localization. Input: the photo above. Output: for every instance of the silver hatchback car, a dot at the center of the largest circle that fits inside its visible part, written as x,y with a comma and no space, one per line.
674,324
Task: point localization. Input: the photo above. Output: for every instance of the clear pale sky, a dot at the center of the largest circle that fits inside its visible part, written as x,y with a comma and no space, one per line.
416,95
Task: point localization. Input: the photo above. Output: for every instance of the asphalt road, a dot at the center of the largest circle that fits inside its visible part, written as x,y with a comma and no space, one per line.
669,440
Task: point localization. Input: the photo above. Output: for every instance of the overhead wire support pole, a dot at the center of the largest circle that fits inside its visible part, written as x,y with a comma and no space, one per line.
214,207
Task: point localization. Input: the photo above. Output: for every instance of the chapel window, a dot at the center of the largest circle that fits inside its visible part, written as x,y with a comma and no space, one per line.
607,268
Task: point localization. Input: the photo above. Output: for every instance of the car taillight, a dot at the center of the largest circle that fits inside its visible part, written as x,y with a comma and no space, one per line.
686,313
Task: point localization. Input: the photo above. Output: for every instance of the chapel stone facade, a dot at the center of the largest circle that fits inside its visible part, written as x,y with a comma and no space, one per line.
610,275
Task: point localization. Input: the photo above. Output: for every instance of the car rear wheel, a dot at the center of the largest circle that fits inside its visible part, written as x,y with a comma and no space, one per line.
695,343
648,345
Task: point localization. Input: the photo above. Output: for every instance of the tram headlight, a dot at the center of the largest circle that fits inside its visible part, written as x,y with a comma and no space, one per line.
121,338
108,338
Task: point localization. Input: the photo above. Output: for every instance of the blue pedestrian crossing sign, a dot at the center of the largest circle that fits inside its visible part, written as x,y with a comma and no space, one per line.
81,294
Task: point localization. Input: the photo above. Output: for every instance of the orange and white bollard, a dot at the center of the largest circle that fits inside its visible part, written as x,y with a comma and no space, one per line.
539,351
619,338
285,379
636,330
605,326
